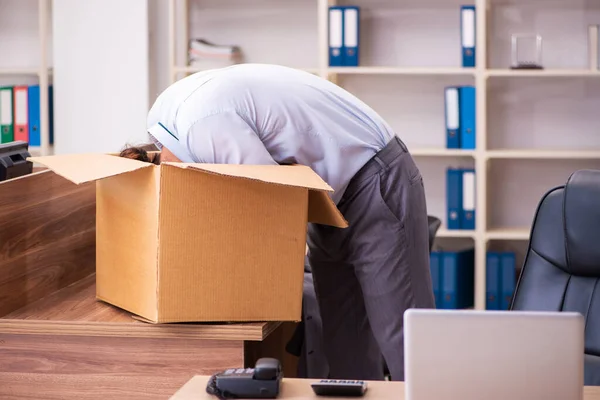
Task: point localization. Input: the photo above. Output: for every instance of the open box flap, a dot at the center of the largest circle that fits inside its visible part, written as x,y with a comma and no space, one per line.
321,209
290,175
81,168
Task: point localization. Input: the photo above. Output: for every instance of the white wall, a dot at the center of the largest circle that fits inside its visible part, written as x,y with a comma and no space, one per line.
101,74
158,46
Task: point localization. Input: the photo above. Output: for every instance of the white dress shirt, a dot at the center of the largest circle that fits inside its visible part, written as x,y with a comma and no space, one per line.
268,114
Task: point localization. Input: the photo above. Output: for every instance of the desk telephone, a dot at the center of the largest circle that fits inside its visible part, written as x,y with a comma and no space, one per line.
260,382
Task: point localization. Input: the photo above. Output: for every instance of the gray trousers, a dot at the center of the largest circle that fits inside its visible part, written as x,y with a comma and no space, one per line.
367,275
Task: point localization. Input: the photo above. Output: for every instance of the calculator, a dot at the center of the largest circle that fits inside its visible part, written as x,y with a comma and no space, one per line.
339,388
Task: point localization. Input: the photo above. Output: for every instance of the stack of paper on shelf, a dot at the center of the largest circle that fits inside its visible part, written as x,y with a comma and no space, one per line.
204,54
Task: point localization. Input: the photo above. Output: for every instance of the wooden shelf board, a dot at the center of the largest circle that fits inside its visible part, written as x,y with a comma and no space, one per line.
542,73
23,71
19,71
74,310
543,154
455,233
401,70
441,152
192,69
508,234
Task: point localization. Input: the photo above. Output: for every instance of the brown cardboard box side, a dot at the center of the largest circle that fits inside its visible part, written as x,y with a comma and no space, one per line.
201,242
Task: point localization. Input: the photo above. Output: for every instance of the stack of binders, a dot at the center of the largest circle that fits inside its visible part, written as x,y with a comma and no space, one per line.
344,24
460,198
20,114
453,278
500,272
460,117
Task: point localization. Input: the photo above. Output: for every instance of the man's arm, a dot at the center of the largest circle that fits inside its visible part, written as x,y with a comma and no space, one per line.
226,138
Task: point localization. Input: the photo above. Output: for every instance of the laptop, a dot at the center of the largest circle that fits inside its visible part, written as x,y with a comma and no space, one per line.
493,355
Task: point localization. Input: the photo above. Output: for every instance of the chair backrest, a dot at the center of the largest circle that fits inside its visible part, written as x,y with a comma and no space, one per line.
434,226
562,265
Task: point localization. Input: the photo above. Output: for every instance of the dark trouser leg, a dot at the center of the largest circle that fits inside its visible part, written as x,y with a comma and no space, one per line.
367,275
348,342
313,356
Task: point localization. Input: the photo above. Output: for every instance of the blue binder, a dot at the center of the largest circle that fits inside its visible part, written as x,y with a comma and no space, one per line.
469,199
351,22
458,279
508,282
492,281
452,116
434,264
468,34
33,109
454,194
336,36
467,119
50,114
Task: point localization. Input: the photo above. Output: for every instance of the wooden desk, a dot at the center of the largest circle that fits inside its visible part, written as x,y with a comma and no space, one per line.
55,336
299,389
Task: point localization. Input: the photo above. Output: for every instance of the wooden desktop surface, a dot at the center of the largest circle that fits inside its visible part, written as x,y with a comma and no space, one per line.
58,341
74,310
299,389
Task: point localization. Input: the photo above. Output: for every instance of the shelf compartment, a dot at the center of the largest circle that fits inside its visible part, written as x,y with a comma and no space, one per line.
394,33
515,188
537,116
267,31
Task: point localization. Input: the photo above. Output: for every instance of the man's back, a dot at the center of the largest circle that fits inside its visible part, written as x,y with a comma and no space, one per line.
298,117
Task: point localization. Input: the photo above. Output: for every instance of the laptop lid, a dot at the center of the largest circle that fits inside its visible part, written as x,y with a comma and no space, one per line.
493,355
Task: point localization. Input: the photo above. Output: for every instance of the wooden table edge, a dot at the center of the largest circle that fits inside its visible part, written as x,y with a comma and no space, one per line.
235,331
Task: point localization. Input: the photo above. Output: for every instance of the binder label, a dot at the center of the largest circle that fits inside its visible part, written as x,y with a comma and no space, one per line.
468,30
335,31
6,111
21,107
452,108
351,25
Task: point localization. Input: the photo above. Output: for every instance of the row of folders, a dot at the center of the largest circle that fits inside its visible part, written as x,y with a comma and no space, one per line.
460,116
20,114
344,36
453,279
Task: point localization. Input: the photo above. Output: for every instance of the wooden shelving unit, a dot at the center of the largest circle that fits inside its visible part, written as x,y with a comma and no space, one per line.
28,61
534,127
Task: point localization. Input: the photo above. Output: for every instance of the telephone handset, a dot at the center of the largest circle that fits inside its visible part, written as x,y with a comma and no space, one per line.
260,382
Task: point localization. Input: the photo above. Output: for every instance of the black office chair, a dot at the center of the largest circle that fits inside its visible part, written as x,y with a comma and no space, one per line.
562,265
434,226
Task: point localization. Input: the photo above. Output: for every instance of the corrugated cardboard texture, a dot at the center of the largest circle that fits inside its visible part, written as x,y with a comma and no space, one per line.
231,249
127,240
321,209
295,175
80,168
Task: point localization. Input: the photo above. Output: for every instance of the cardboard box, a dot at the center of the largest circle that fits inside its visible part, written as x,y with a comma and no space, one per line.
201,242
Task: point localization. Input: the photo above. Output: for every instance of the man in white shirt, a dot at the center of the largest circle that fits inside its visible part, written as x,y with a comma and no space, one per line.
366,275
